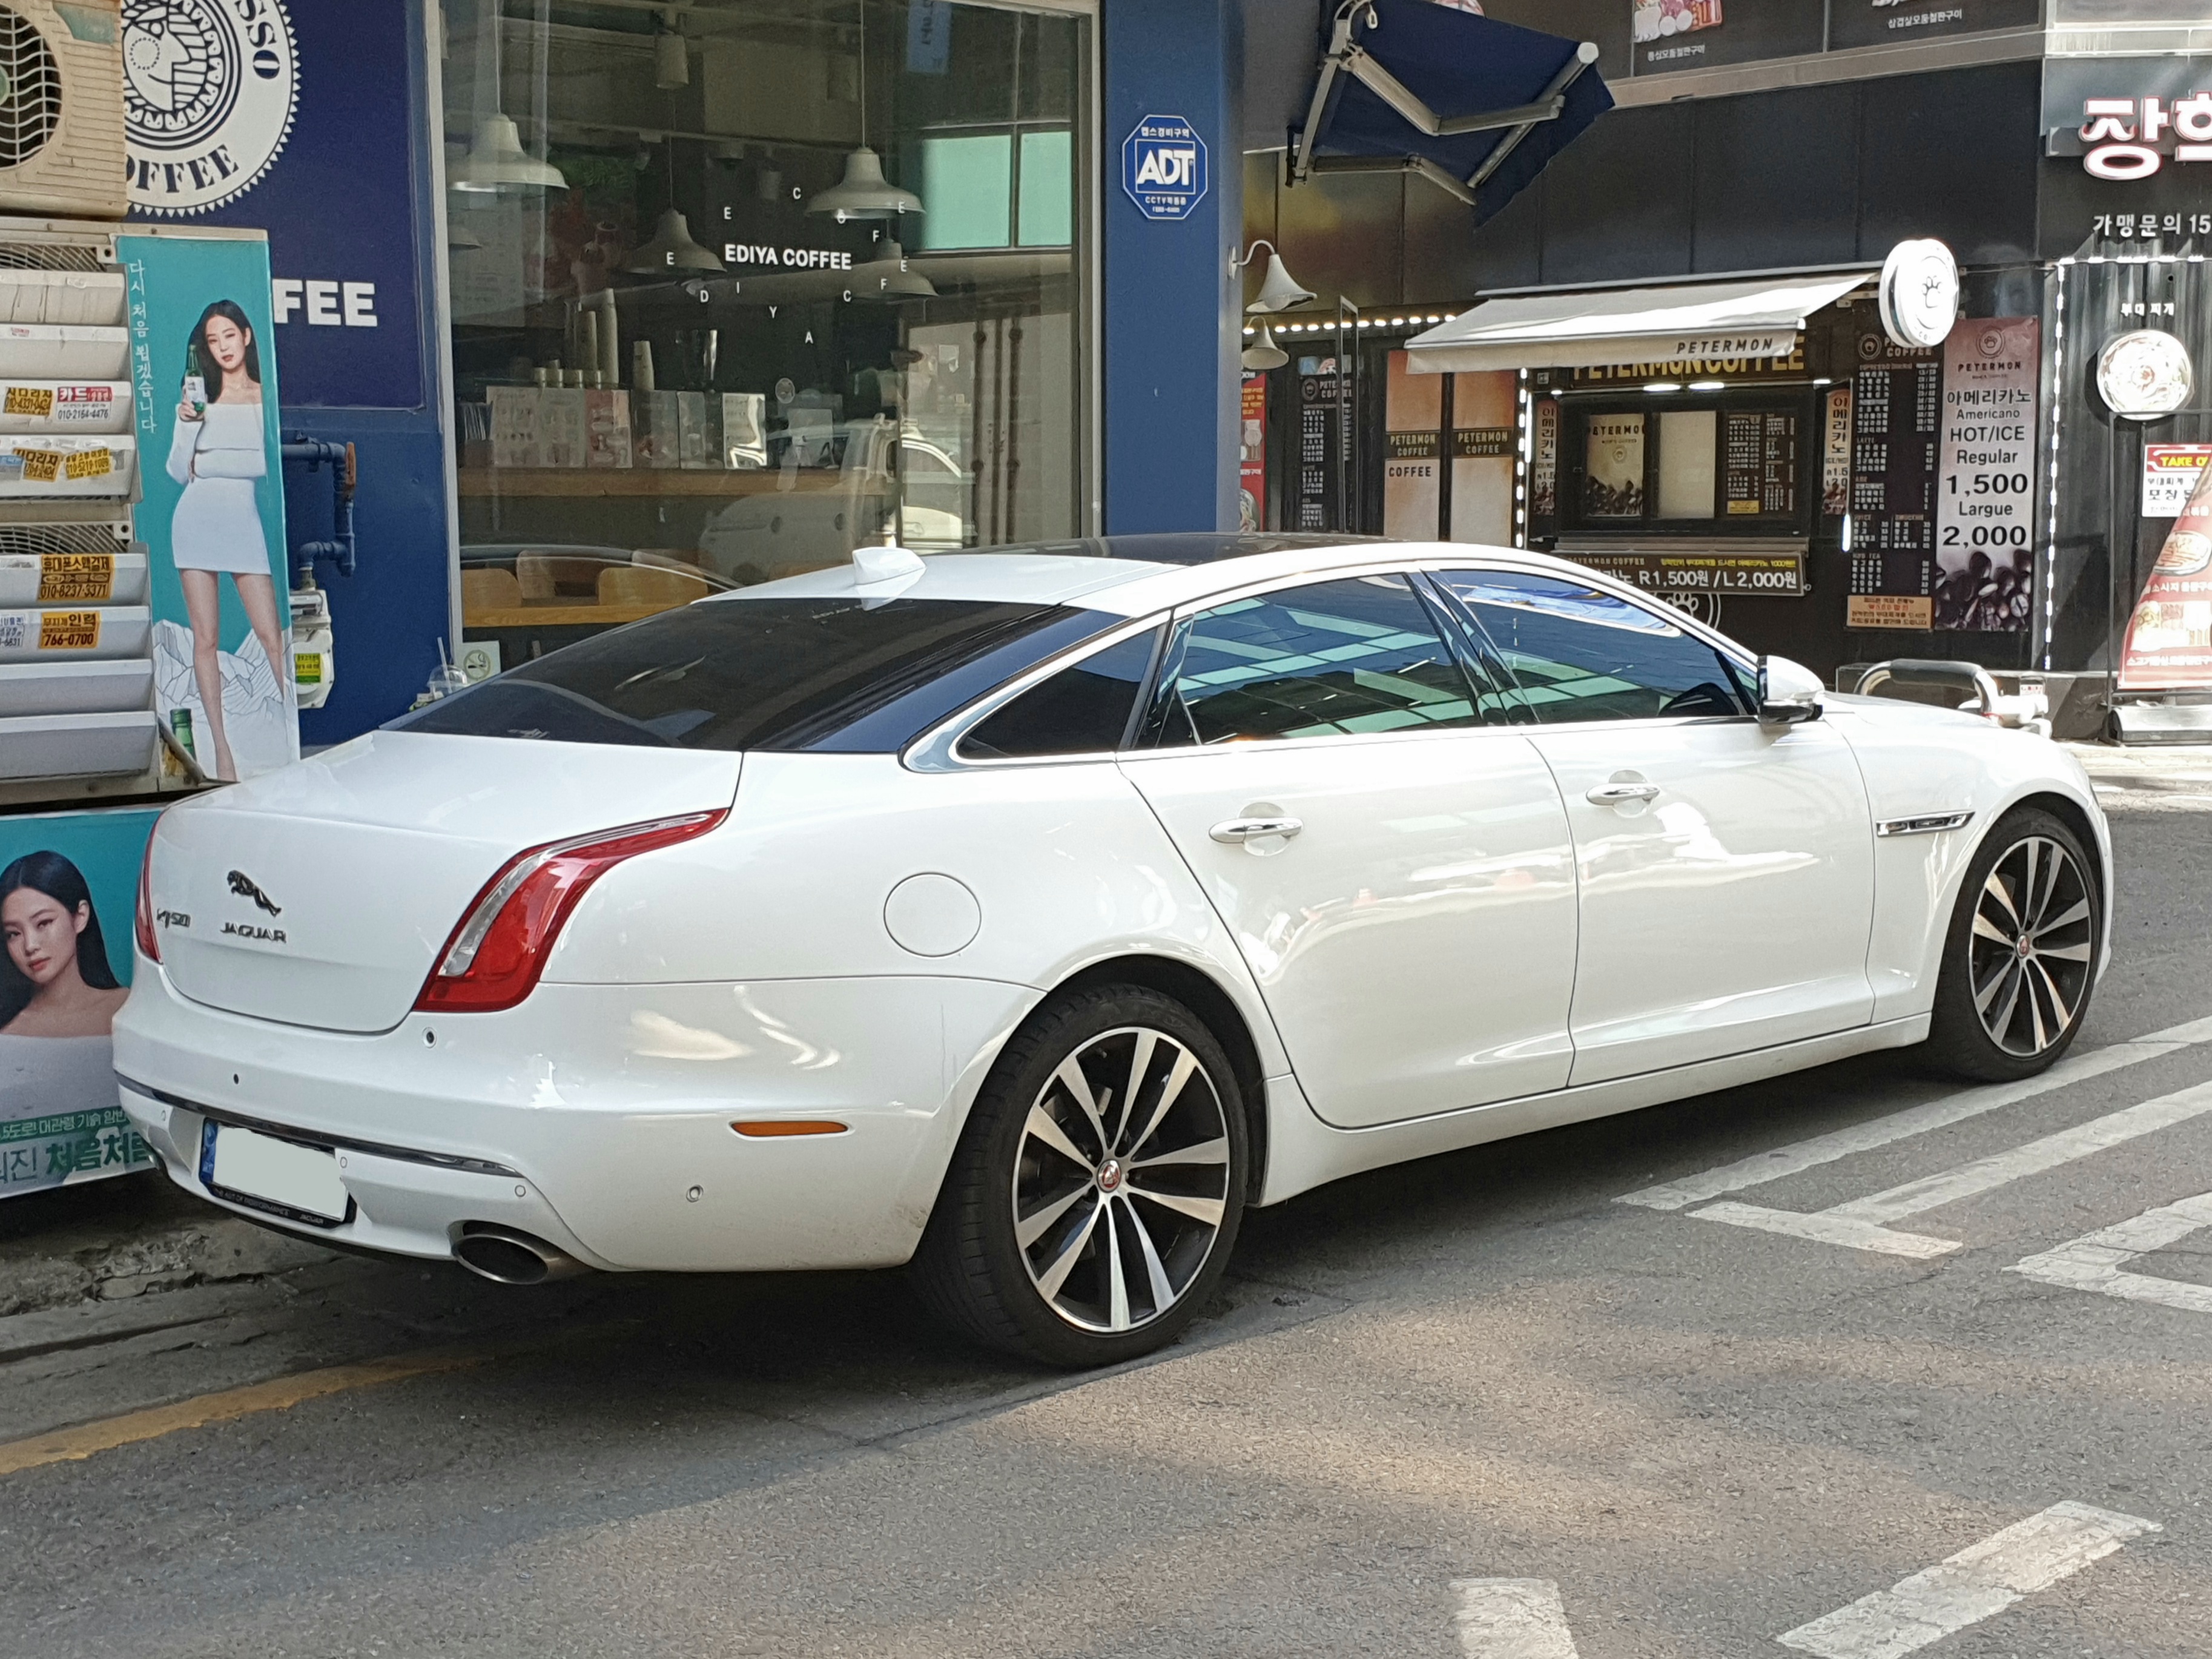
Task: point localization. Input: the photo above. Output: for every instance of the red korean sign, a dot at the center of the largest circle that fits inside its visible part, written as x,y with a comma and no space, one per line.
2169,643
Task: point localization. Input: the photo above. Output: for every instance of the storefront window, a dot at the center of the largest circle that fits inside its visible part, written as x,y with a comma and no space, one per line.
739,285
1729,465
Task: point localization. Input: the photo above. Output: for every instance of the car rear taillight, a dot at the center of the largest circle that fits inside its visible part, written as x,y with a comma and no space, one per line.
149,942
495,957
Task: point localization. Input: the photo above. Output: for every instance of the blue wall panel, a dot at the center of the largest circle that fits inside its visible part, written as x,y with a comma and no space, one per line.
350,200
1171,311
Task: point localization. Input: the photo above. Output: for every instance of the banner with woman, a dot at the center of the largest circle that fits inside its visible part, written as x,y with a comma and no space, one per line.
65,962
204,372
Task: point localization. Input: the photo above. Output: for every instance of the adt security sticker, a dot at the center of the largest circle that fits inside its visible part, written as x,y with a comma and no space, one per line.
1164,166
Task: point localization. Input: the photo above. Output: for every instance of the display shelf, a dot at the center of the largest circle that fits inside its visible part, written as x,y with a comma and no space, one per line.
77,745
75,688
56,633
641,482
32,579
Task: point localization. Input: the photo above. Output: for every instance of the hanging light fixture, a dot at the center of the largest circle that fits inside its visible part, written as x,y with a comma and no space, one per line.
864,192
497,164
672,52
671,249
1281,290
1263,353
888,275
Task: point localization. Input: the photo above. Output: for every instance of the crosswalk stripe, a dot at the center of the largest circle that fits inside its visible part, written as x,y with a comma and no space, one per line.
1828,1227
2096,1261
1795,1159
1860,1223
1933,1192
1511,1619
1969,1587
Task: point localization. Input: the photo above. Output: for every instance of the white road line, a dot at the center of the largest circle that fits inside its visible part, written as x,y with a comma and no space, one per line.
1860,1224
1971,1586
1511,1619
1803,1155
2095,1260
1828,1227
1933,1192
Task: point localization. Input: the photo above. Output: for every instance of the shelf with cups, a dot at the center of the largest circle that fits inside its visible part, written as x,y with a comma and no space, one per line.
626,483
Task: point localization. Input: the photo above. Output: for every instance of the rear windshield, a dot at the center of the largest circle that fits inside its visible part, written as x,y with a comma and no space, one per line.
848,675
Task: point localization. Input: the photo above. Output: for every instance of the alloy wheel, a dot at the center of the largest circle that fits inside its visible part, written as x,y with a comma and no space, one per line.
2030,952
1121,1180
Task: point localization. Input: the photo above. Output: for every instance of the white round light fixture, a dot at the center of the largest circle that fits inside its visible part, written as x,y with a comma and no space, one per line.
2145,375
1919,293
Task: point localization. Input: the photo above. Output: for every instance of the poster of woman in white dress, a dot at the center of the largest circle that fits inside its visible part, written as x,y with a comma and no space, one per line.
219,453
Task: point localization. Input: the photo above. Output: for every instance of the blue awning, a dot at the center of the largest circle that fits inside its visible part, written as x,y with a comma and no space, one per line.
1473,104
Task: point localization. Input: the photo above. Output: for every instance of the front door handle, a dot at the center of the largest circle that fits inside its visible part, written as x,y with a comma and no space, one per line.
1236,831
1613,794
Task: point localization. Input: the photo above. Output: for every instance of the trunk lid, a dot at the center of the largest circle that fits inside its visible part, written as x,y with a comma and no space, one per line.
320,894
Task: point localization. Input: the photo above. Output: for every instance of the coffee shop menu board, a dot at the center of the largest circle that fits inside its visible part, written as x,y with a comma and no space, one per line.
1758,463
1897,406
1314,470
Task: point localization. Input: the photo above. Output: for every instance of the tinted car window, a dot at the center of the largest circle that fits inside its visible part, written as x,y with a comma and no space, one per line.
1581,654
856,676
1360,655
1082,710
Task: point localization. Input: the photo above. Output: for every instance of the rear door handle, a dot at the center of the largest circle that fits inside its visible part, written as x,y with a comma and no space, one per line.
1613,794
1237,830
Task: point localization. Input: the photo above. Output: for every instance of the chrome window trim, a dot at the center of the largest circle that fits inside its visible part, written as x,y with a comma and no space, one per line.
1619,590
937,749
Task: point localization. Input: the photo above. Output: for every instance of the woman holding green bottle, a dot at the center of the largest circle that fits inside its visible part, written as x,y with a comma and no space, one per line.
219,454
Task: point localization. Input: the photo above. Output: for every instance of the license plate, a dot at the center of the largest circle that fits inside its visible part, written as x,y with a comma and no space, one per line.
269,1174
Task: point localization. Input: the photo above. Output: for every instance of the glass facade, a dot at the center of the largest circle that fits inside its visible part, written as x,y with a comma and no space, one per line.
737,286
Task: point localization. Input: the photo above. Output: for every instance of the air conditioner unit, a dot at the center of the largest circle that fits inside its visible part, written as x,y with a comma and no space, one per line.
61,108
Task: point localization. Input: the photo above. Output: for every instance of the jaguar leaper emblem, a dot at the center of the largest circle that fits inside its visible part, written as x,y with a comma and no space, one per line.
245,886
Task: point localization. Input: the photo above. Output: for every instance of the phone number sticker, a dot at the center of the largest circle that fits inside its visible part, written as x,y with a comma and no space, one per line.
76,578
69,630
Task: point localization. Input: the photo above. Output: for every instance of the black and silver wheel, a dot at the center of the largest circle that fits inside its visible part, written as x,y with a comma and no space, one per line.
1096,1189
2019,962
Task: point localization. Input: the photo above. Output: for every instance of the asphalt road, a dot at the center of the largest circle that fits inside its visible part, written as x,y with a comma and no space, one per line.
1677,1433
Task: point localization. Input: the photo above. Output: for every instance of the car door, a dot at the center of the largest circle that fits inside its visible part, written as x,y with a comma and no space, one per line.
1389,853
1726,866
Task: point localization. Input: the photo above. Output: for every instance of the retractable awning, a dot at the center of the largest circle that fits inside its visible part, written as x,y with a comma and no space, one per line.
1473,105
1754,317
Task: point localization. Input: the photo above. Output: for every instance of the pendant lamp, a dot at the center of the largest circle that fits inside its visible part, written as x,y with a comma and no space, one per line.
1280,291
497,164
864,192
671,250
1263,352
889,276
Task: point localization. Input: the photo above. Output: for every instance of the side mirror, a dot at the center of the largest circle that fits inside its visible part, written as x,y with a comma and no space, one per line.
1788,694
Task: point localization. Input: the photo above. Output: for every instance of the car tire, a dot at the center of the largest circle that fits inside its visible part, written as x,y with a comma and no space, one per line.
2003,1012
1079,1231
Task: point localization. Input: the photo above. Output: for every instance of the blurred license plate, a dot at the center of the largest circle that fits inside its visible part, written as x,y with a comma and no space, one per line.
303,1180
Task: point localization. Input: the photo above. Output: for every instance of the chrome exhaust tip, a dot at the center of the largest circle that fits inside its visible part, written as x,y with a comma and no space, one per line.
507,1256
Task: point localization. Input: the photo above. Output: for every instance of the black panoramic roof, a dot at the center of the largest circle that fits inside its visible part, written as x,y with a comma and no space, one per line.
1177,547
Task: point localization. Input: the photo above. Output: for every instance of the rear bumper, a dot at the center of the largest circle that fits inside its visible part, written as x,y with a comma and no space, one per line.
598,1117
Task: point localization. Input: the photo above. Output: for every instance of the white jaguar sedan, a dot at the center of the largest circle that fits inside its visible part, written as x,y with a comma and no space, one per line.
1029,914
